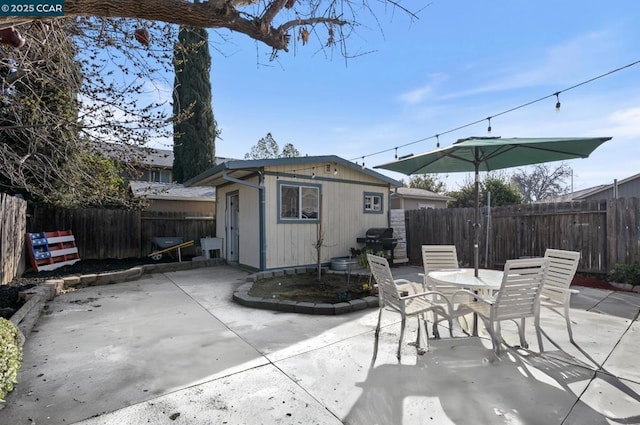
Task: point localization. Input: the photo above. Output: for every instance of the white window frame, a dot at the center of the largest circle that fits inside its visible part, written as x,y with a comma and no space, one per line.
300,207
369,205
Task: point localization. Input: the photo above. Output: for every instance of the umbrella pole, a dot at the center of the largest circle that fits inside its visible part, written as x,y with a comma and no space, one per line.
476,225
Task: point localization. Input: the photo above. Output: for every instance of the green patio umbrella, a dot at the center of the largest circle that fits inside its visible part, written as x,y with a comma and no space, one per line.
477,154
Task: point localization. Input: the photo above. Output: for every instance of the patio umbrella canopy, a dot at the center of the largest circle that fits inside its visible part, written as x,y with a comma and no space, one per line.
477,154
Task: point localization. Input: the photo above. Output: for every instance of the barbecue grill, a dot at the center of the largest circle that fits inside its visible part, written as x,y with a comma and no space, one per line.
380,239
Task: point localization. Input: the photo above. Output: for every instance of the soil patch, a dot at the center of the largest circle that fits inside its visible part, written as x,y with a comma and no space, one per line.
333,288
593,282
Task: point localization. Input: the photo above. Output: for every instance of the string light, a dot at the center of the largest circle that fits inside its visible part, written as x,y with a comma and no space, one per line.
461,127
313,173
335,171
489,128
437,140
363,162
396,153
294,174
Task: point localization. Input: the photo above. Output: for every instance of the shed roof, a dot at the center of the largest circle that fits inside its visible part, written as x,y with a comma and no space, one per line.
243,168
411,192
176,192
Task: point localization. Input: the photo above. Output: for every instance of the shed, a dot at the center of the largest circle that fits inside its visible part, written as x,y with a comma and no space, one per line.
408,198
272,212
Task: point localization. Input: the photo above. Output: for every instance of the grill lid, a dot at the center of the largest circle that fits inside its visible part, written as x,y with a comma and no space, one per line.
380,233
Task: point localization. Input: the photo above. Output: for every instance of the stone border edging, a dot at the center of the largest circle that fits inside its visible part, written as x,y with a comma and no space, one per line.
626,286
242,297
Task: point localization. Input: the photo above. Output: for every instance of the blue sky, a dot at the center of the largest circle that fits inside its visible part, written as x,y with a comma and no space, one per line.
460,62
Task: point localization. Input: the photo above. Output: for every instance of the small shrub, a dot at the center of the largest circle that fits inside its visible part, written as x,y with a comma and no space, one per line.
10,356
625,273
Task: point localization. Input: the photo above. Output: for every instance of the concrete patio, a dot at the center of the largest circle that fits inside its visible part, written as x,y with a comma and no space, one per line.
173,348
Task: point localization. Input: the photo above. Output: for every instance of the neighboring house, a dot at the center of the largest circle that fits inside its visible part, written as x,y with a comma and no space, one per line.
271,212
156,165
408,198
156,184
625,188
167,197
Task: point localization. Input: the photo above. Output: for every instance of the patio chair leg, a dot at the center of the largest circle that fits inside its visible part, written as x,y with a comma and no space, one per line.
436,332
402,324
422,329
375,341
566,317
523,341
494,336
538,333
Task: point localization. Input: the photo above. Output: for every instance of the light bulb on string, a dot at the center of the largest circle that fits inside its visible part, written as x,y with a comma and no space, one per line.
335,171
363,162
437,140
313,173
489,128
557,101
396,153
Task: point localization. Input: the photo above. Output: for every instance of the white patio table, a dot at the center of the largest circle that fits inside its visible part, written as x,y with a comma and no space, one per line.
486,283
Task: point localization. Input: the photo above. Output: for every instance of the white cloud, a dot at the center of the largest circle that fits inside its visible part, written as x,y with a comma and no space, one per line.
423,92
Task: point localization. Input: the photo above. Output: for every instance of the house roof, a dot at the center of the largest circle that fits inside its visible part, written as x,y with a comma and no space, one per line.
242,168
579,195
175,192
152,157
158,158
576,195
410,192
604,187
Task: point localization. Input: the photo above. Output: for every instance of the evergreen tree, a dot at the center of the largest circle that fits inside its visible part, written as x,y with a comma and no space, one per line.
502,193
194,126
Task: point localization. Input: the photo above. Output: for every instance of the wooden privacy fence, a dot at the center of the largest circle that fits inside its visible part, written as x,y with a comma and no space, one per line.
13,213
605,232
105,233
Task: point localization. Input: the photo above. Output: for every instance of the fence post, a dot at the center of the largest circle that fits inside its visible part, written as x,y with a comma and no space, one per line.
612,232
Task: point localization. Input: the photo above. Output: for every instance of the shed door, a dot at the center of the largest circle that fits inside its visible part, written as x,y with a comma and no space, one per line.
232,230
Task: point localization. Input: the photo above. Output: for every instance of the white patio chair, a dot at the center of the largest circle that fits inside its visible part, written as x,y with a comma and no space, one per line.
438,257
393,297
442,257
518,298
555,291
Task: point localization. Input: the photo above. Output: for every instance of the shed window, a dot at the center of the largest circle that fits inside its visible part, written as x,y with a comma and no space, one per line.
299,202
373,203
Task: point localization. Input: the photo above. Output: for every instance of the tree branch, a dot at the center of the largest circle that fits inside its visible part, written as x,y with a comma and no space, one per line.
212,14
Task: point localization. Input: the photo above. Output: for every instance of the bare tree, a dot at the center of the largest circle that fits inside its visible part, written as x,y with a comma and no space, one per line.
74,116
274,23
541,182
113,58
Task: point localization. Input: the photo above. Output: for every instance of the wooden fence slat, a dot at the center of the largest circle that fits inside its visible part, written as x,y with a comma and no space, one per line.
13,213
605,232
